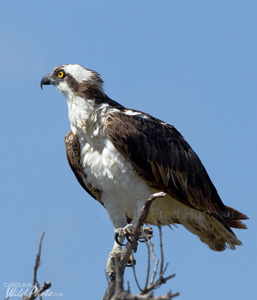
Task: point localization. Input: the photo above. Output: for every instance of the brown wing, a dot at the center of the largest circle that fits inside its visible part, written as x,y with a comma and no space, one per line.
160,155
73,155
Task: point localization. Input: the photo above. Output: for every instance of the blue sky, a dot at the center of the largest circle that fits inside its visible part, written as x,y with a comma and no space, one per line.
190,63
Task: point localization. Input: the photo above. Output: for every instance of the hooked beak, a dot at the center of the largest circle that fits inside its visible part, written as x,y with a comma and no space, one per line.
46,80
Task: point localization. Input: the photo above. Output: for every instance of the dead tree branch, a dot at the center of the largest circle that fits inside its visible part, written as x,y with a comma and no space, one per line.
115,288
38,262
149,287
37,290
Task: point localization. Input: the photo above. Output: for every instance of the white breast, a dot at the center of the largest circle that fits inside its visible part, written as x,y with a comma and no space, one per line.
105,168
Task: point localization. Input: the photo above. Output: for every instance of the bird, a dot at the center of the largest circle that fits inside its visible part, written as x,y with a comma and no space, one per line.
121,156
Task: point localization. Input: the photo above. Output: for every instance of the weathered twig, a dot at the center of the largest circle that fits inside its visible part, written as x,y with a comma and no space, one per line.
125,295
38,263
136,280
33,295
115,289
147,292
44,287
161,280
156,263
148,263
161,248
136,232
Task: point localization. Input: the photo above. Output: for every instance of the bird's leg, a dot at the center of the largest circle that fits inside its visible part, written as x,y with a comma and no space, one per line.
126,232
116,254
122,233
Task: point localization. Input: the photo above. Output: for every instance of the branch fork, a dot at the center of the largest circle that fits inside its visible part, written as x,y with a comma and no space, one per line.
115,288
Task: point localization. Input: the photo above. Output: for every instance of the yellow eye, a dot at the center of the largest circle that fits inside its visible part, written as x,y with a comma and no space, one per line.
60,74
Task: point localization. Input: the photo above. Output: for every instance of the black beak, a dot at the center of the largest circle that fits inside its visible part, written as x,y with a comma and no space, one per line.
46,80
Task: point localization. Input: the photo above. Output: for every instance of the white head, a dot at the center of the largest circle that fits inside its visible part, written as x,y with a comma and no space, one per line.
72,79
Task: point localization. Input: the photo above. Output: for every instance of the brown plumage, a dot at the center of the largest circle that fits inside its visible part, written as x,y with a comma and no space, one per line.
73,156
111,149
160,155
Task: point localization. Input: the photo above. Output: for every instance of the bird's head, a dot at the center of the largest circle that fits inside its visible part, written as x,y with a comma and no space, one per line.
72,79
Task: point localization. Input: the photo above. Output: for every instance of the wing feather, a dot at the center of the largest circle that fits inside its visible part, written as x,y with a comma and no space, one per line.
159,154
73,155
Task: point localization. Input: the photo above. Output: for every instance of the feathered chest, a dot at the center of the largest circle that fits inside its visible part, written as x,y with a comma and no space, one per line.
105,168
103,165
85,118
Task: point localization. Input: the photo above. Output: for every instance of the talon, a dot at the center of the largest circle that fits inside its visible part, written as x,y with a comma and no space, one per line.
148,231
147,234
116,238
127,237
129,265
145,238
112,276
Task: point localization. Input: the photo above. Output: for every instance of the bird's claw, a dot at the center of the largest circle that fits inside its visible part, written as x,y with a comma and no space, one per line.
122,233
126,232
111,262
110,267
116,238
131,263
147,234
128,239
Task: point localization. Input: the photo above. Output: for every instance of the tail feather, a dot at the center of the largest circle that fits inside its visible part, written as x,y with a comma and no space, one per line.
236,224
214,230
234,217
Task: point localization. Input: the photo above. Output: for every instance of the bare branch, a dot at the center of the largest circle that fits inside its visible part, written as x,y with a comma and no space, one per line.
161,249
165,268
161,280
156,263
136,231
38,261
148,262
126,296
41,289
119,277
136,280
115,289
129,248
33,295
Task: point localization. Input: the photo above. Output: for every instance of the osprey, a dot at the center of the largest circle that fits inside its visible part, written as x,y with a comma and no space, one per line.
121,156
